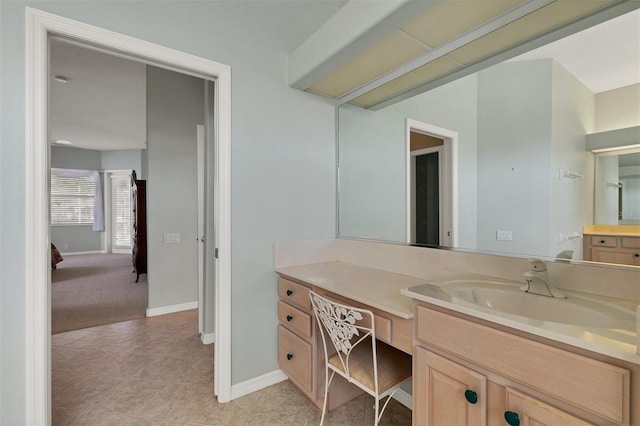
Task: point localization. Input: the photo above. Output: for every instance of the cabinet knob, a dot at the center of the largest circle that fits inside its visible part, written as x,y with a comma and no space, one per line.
289,318
471,396
289,356
289,292
512,418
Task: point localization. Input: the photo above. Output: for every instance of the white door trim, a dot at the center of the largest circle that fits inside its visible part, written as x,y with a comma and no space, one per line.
39,27
200,219
449,158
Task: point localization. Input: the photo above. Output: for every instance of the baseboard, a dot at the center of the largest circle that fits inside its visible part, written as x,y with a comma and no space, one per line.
163,310
208,338
255,384
83,252
404,398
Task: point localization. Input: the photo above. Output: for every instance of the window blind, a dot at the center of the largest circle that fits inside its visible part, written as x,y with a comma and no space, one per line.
121,211
72,200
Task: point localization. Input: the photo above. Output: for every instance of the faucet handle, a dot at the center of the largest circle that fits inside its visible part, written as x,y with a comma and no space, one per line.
537,264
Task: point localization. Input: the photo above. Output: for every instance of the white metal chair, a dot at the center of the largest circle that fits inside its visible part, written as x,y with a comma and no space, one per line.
373,366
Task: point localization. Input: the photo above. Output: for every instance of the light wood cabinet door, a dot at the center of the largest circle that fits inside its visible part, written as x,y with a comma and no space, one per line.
294,358
523,410
447,393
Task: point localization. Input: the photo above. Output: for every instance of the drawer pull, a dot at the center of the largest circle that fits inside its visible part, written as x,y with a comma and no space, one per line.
289,356
602,241
289,292
637,255
289,318
471,396
512,418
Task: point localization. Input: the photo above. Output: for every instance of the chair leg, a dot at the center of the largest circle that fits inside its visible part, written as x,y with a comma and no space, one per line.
377,415
384,407
327,382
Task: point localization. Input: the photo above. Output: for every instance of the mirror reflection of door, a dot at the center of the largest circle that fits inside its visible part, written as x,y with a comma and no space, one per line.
427,196
425,151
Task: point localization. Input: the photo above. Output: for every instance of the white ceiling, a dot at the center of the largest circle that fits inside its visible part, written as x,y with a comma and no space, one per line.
103,104
603,57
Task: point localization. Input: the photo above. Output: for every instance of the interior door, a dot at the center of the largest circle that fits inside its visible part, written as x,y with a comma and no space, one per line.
427,199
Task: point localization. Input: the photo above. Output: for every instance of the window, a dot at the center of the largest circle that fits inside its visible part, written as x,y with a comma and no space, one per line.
72,199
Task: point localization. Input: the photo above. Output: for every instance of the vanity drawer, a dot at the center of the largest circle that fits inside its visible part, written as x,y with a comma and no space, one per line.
295,293
294,319
630,242
594,386
294,358
383,325
603,241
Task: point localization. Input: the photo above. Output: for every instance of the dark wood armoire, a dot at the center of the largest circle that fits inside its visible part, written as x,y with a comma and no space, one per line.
139,237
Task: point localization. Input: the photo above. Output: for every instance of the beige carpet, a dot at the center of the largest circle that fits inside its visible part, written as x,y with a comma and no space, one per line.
95,289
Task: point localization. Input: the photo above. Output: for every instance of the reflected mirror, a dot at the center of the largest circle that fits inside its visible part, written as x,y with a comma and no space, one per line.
506,169
617,189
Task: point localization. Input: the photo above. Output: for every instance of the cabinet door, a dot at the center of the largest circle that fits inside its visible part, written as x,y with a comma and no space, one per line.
447,393
524,410
294,358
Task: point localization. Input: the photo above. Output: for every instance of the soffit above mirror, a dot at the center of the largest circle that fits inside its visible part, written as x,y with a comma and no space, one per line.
420,45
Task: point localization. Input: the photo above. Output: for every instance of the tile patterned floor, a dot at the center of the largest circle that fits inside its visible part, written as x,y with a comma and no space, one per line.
156,371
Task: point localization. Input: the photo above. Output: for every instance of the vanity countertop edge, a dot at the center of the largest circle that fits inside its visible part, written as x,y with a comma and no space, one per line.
393,293
374,287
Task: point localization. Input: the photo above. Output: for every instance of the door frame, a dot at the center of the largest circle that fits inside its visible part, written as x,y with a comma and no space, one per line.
39,27
200,142
448,180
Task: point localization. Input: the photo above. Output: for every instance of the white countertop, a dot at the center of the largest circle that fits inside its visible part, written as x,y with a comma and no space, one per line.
394,293
618,342
373,287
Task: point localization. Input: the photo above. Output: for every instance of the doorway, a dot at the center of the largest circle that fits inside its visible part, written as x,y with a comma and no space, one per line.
431,184
40,27
426,196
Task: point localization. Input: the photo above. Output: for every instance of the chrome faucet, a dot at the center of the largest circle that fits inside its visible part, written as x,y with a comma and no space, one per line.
538,280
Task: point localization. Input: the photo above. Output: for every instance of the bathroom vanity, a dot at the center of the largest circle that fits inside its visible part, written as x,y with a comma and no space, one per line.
300,351
469,371
612,244
484,352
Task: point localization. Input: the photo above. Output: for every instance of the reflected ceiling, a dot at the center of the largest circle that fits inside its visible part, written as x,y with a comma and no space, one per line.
450,39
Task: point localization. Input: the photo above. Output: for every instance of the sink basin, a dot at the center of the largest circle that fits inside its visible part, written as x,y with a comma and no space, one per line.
507,298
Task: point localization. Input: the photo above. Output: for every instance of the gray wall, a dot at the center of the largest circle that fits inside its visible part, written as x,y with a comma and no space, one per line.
514,131
175,105
283,157
573,106
127,159
532,121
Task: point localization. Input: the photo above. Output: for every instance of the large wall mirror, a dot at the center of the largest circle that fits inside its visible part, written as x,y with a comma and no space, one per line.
505,153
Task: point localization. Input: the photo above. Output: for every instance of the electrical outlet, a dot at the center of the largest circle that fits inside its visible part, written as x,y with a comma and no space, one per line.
171,238
503,236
